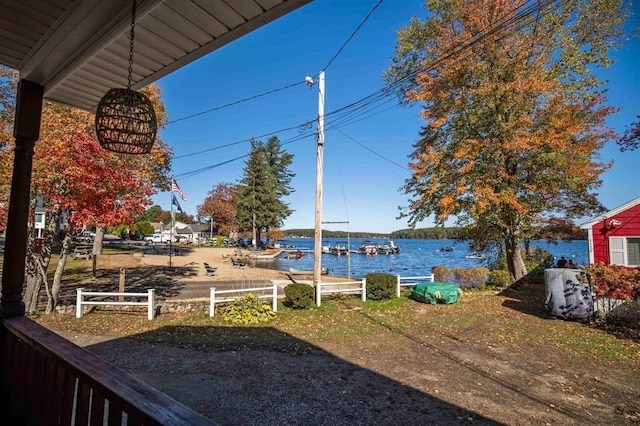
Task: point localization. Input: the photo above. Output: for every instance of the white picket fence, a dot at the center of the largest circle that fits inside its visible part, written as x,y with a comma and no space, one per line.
411,281
242,291
81,302
332,288
606,304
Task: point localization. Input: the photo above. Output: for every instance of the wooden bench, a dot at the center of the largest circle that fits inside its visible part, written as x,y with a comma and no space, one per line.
238,264
211,271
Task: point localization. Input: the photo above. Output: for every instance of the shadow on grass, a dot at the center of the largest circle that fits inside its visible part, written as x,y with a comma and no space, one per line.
527,298
240,375
164,279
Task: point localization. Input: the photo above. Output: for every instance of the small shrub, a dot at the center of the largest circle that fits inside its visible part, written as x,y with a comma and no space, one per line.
298,296
247,310
499,278
470,277
441,274
380,286
614,281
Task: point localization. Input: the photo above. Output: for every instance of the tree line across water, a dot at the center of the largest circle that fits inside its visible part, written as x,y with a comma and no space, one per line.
420,233
432,233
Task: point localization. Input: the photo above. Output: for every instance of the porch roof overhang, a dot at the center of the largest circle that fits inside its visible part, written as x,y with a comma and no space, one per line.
79,49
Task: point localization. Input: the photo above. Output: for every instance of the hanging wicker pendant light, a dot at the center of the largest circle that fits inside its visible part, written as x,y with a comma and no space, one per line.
125,119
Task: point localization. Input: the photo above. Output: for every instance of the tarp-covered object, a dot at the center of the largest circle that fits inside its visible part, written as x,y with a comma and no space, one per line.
565,296
433,293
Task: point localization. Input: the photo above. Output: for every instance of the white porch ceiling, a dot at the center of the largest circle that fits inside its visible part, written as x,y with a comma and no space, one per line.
79,49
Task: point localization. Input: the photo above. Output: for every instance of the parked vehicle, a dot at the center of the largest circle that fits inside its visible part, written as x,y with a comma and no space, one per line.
159,238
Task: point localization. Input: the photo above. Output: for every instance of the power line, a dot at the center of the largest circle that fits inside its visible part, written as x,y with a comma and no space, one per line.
213,166
235,102
366,18
455,52
347,114
304,126
373,152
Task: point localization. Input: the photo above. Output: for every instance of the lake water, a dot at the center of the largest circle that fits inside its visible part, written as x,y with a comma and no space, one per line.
416,257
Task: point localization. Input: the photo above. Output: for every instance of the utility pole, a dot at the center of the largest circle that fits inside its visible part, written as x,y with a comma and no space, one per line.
317,246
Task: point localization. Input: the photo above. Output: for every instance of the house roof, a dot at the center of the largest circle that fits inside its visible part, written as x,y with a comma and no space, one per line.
184,231
612,212
200,227
79,49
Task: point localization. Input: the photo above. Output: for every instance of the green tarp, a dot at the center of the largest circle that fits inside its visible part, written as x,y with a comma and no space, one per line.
433,293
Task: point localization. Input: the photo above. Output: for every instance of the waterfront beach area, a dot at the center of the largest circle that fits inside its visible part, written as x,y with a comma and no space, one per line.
220,258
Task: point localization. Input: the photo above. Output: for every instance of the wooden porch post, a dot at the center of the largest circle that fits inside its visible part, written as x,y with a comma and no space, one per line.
26,133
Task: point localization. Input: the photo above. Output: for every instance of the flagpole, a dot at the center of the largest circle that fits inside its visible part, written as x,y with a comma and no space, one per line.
174,188
172,224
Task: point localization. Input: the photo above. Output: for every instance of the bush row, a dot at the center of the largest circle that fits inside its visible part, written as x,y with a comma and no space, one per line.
465,277
614,281
380,286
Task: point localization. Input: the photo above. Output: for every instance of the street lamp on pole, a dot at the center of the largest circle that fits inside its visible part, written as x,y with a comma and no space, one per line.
317,246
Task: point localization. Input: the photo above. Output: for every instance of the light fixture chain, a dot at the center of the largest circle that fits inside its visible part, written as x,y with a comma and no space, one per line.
131,37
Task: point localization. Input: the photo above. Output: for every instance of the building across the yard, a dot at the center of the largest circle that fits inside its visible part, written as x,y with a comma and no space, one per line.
614,237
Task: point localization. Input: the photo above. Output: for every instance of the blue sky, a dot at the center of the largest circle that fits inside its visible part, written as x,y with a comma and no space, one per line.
364,161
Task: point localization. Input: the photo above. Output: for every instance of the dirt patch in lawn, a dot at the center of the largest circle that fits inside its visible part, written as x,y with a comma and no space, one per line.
490,359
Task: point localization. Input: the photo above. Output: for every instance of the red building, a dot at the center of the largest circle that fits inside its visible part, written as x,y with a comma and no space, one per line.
614,237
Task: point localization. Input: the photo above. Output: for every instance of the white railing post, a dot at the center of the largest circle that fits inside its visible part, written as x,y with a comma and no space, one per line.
364,289
275,298
319,294
79,303
398,286
151,307
212,301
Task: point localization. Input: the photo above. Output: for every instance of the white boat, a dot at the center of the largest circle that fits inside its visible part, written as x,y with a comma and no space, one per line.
293,271
339,249
476,256
368,247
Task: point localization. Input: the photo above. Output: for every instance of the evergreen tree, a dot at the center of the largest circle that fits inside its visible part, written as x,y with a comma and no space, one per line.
265,183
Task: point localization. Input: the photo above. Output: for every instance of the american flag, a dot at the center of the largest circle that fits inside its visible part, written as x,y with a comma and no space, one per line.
176,188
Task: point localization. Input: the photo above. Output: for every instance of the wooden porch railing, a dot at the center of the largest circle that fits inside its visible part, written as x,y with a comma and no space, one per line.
47,380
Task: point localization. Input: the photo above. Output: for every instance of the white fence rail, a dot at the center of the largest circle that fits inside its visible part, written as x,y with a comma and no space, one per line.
330,288
411,281
213,299
606,304
81,294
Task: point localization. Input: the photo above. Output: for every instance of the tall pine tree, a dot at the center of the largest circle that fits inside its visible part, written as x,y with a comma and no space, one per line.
266,181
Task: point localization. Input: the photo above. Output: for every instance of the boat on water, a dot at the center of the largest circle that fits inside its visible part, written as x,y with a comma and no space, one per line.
390,247
293,271
367,247
476,256
447,248
298,254
338,249
370,248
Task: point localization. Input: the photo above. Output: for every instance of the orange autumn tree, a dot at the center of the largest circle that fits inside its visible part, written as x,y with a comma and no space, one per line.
8,82
73,174
220,207
514,115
